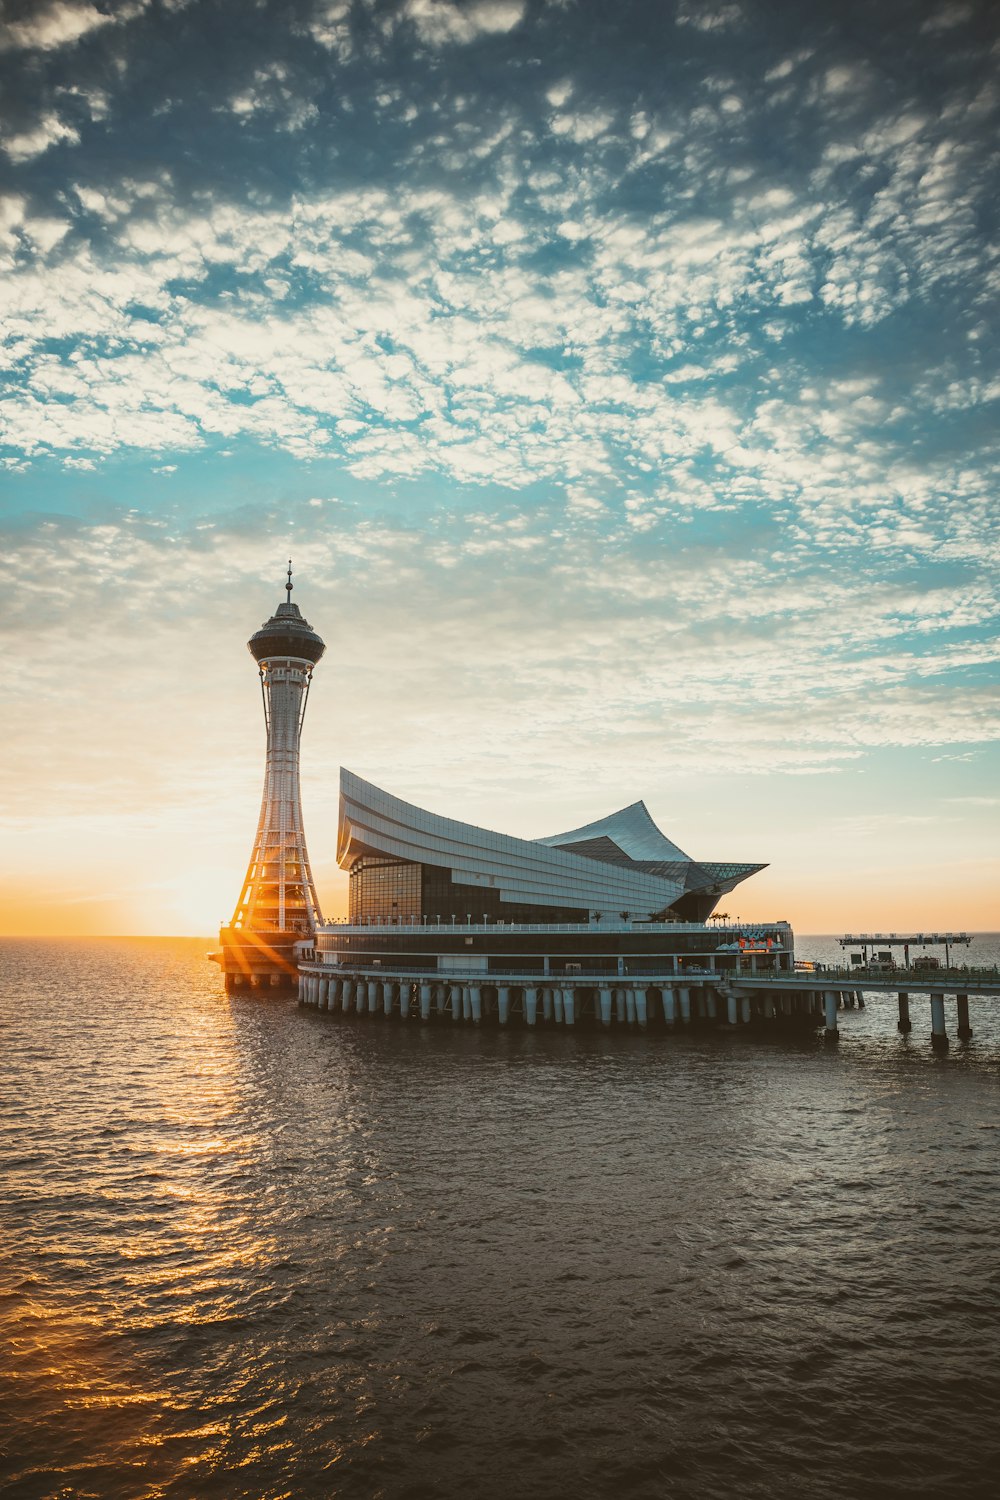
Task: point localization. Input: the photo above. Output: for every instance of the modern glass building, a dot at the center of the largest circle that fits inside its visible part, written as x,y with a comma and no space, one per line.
610,914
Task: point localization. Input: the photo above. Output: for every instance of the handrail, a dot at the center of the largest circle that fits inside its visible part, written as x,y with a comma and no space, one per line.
901,972
782,978
652,980
339,928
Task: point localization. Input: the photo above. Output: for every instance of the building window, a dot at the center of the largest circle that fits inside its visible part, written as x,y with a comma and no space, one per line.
385,891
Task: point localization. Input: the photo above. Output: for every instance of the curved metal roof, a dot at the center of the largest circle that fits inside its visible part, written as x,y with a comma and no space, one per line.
631,828
622,861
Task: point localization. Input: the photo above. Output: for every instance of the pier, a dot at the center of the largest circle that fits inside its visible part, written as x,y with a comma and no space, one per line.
668,1001
835,989
878,947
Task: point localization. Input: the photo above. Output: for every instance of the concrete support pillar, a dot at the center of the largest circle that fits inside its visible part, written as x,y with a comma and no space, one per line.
620,1006
302,987
669,1007
425,1002
640,1008
360,995
685,1004
630,1007
476,1003
569,1007
904,1024
372,996
466,1002
745,1009
939,1037
530,1005
441,998
546,1005
710,1006
503,1004
456,1002
404,998
732,1008
605,999
557,1006
964,1029
347,996
387,995
830,1000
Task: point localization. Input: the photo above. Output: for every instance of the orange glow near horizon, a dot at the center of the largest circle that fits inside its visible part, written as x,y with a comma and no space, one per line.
843,856
197,908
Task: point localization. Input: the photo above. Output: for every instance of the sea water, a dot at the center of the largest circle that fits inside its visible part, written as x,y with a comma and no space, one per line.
248,1249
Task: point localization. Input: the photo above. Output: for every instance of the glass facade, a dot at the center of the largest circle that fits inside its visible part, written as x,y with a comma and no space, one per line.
388,890
385,890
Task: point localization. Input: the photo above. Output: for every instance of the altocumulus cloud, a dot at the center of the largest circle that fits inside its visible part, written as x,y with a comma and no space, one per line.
662,336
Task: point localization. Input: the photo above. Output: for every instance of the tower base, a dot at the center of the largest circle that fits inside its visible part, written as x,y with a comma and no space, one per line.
256,960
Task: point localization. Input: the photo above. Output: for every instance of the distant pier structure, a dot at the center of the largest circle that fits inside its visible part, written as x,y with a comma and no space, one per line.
879,947
278,906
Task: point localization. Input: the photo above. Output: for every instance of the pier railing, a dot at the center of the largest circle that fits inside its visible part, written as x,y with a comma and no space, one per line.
376,927
900,974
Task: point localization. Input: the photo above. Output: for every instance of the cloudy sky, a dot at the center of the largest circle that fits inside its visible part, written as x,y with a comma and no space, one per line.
623,380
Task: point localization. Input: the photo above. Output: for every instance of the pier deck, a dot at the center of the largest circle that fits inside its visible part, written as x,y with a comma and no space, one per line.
639,1000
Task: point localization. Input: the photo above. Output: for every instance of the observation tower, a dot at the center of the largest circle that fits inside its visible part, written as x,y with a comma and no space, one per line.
278,906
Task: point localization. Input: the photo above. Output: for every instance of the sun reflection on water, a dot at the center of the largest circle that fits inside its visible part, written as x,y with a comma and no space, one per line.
146,1230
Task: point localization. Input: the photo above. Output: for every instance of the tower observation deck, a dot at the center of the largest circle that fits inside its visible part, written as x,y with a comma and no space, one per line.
278,905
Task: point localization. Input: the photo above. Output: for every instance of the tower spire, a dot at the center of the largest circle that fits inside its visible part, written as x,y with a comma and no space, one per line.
289,585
